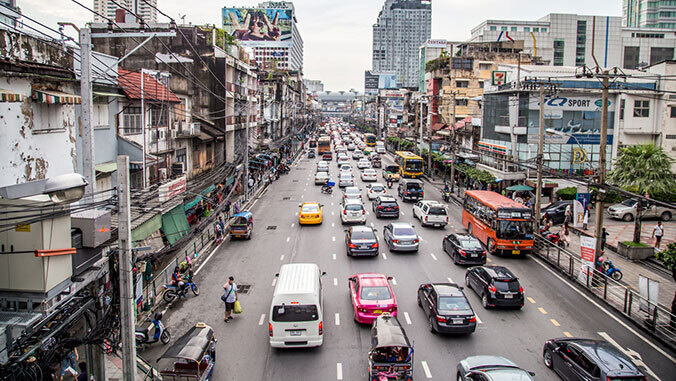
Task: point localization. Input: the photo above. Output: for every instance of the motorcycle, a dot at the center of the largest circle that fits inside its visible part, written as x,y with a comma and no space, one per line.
161,333
389,183
328,187
608,269
446,195
171,292
554,238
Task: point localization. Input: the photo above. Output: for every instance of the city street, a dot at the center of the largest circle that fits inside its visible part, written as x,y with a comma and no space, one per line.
553,307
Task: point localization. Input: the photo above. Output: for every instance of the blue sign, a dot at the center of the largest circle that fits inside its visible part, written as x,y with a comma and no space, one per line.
584,199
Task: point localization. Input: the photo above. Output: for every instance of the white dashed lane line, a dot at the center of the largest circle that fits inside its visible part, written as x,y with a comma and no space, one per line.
288,239
333,238
426,369
394,281
337,318
260,321
339,371
335,281
281,257
384,256
433,256
407,318
333,224
274,281
450,280
334,257
293,224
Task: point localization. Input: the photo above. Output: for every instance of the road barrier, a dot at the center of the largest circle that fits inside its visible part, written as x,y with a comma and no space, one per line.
655,319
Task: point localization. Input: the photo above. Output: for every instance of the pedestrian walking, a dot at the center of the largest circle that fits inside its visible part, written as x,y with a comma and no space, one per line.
236,208
604,236
68,363
222,223
226,209
565,234
84,375
219,231
568,219
585,220
658,231
229,297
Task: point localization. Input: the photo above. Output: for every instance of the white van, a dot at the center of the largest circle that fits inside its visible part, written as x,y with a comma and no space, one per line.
296,312
380,147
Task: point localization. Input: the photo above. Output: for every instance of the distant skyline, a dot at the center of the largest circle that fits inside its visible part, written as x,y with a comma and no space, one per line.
337,35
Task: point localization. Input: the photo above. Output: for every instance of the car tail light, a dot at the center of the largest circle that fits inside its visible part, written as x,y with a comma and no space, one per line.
352,246
270,329
375,245
484,253
426,218
422,194
321,328
472,319
441,319
416,240
393,309
492,289
396,207
395,241
345,212
446,218
363,211
520,289
462,252
381,207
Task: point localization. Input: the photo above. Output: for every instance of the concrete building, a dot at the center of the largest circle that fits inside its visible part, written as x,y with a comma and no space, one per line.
141,8
337,103
282,103
566,40
313,85
666,106
402,27
430,50
649,14
282,58
9,12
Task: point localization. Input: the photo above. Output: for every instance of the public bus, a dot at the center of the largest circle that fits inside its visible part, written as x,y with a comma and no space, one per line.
502,224
323,145
410,165
370,140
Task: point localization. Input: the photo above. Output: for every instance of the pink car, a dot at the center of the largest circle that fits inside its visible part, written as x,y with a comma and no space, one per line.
371,295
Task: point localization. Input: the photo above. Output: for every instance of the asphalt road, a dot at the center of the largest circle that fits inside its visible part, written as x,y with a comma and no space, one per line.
553,308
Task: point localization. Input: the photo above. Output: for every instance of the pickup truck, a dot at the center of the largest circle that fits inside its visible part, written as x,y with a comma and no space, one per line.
626,210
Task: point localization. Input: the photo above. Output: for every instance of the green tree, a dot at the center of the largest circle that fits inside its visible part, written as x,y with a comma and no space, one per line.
644,168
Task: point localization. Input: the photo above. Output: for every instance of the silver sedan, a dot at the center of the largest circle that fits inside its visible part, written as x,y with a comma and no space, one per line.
400,236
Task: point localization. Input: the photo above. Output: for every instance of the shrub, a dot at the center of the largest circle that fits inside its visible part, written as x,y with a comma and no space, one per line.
568,193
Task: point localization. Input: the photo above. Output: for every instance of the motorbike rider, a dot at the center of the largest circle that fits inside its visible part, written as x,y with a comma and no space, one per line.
389,182
177,280
326,187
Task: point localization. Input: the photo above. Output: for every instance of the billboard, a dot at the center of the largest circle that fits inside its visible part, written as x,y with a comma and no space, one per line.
370,82
387,81
379,80
259,27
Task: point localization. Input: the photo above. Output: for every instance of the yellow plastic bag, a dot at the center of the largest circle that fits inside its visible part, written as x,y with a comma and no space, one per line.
238,307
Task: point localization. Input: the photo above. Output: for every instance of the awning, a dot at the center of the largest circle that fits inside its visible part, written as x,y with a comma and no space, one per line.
8,96
175,224
208,190
106,167
191,204
147,228
105,94
55,97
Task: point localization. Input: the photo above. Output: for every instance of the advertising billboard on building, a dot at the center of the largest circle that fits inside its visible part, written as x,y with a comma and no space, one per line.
257,27
370,82
379,80
387,80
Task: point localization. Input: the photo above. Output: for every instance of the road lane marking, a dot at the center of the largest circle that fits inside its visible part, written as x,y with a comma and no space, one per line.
478,319
394,281
274,281
333,238
556,323
384,256
590,300
407,318
337,318
333,213
567,334
334,257
629,352
433,256
281,257
367,212
426,369
339,371
302,196
296,213
335,281
530,299
288,239
305,189
293,224
489,260
260,321
402,213
421,238
372,224
331,204
542,310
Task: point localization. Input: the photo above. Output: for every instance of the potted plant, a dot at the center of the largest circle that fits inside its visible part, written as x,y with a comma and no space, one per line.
636,251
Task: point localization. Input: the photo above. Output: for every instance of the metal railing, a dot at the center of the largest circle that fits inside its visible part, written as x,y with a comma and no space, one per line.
653,317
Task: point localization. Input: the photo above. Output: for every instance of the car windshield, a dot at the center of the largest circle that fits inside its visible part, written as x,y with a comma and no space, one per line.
509,285
377,189
363,235
414,165
404,231
470,244
310,208
629,203
452,304
369,172
375,293
296,312
509,374
322,174
354,207
437,211
392,168
514,229
389,204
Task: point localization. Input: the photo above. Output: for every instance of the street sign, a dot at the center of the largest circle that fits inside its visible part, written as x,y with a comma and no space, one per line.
499,78
587,251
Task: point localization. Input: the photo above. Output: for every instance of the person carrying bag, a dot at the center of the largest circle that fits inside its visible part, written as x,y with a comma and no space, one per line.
230,298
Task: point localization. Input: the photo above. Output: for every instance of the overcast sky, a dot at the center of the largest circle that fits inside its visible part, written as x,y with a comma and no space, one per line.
337,33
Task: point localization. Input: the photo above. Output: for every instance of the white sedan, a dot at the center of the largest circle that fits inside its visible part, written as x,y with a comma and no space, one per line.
363,163
369,174
375,190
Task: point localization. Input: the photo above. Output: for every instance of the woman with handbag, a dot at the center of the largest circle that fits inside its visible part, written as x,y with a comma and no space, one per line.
230,297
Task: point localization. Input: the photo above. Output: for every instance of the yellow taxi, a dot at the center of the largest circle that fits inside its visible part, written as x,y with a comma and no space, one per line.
310,213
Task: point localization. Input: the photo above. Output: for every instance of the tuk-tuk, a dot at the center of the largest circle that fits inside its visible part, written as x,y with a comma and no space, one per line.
391,172
193,355
391,352
241,225
376,162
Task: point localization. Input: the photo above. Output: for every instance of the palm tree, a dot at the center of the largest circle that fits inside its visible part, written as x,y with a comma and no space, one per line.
643,169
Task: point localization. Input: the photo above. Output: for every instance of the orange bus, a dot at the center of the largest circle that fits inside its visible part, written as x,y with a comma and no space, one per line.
502,224
323,145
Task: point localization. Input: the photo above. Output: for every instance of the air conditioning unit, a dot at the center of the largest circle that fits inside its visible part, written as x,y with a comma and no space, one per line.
174,133
194,128
163,174
177,168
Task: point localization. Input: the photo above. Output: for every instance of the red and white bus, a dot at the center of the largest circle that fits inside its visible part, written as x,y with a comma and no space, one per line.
502,224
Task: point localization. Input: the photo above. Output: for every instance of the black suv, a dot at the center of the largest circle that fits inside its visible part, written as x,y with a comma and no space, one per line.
385,206
410,189
495,285
588,359
447,308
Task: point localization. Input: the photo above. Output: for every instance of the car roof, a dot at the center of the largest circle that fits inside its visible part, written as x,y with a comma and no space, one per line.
362,229
463,237
447,289
351,189
387,198
499,272
604,354
401,225
432,202
310,203
352,201
412,181
372,279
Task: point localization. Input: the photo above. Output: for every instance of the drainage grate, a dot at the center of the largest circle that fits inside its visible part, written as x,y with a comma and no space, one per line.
243,288
286,198
272,227
294,181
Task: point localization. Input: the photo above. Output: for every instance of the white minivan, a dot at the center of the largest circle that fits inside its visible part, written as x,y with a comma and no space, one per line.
296,312
380,147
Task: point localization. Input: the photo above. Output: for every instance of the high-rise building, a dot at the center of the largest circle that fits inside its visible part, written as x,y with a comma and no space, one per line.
313,85
649,14
430,50
280,48
402,26
141,8
9,12
566,40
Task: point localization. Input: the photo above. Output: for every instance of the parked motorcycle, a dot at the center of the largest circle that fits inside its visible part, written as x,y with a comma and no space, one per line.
608,269
171,292
160,333
554,238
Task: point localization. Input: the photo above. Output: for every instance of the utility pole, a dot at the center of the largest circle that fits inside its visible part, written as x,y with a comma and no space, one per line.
541,143
420,131
451,120
418,114
88,159
429,144
598,217
128,325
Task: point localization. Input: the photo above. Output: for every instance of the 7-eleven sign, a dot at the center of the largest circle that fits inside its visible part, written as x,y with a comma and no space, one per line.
499,78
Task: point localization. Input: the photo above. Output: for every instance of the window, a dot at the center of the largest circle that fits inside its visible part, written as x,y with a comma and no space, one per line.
622,103
461,83
631,57
543,30
641,109
461,102
526,29
132,120
672,110
558,52
100,115
512,29
503,28
660,54
536,30
159,115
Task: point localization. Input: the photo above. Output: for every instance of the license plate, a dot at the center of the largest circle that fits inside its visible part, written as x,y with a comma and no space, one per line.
474,255
509,296
437,225
363,246
294,333
458,321
377,312
516,251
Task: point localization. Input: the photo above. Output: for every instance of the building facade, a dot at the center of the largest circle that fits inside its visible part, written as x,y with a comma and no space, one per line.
141,8
402,27
313,85
430,50
649,14
566,40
